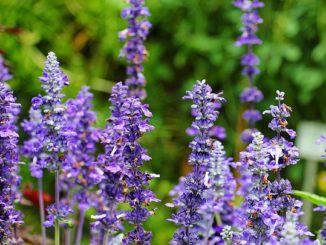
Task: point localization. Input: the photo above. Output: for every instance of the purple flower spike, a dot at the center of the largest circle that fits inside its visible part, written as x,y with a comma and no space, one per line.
48,126
220,195
81,170
135,120
270,212
251,95
58,132
111,186
9,179
134,50
191,191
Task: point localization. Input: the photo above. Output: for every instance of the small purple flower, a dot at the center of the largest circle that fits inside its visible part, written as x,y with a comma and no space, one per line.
37,102
134,50
219,196
251,94
55,213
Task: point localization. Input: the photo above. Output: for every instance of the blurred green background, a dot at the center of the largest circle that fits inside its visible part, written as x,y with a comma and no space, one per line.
189,40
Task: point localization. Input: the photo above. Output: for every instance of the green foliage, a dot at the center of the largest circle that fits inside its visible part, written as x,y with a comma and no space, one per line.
311,197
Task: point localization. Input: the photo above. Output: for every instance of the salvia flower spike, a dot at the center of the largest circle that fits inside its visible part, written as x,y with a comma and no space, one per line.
9,179
269,204
111,187
248,38
57,132
134,49
82,173
135,120
218,209
192,196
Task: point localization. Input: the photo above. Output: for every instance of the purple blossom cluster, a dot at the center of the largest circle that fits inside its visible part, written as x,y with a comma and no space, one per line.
81,170
134,118
56,135
270,213
218,210
9,157
194,188
134,50
248,38
111,187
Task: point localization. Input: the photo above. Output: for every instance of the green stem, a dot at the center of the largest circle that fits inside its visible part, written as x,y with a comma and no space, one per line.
57,199
218,218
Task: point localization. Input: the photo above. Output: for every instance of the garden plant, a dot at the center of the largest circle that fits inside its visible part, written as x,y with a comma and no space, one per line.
105,187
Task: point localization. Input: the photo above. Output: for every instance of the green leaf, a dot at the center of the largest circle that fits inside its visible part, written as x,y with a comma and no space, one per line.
69,223
315,199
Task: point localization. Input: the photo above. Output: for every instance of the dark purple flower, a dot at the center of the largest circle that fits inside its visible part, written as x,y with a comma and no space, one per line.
191,194
9,179
134,116
51,128
134,50
111,162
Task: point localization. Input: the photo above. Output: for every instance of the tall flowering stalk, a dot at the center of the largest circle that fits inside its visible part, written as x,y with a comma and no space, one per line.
218,209
248,38
111,187
57,133
188,216
81,173
270,210
9,179
135,121
134,49
259,218
34,149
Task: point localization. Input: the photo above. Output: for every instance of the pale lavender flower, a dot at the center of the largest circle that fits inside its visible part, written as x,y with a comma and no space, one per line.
218,209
